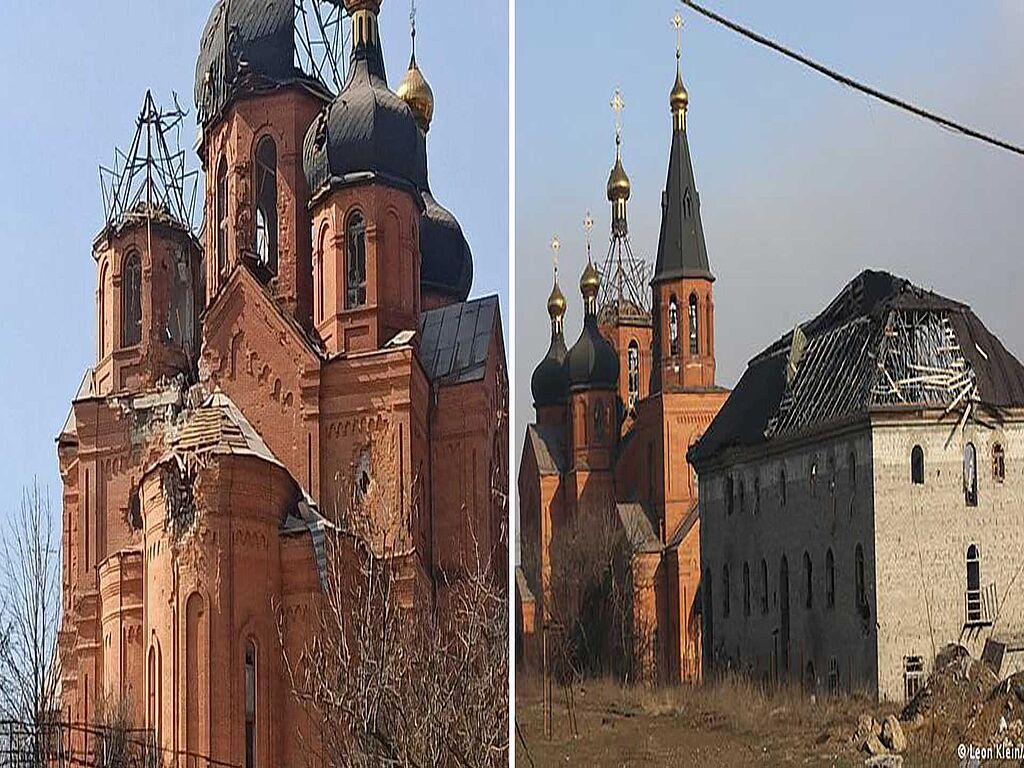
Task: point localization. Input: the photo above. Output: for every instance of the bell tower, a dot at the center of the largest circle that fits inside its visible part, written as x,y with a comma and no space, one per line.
365,164
254,108
148,262
683,307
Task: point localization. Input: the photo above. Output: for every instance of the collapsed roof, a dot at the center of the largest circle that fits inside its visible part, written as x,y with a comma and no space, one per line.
883,343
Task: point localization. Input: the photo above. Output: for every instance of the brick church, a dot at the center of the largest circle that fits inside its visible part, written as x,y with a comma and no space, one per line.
617,412
314,340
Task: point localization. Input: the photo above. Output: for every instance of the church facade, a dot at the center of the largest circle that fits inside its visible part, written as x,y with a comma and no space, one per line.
617,412
314,340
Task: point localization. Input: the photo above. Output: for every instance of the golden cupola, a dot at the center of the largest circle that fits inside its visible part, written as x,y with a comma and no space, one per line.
619,187
590,282
415,91
556,302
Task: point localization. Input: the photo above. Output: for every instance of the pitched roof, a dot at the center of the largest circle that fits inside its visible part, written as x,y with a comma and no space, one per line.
638,528
455,339
681,248
85,389
219,427
881,343
548,448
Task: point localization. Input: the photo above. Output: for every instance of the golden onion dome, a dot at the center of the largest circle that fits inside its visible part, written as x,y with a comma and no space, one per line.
590,281
415,91
556,302
679,99
618,182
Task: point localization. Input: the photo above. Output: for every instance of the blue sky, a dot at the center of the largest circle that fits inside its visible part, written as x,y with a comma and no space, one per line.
74,78
803,183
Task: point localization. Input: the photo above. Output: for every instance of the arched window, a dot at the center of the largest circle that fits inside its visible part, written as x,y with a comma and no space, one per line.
782,487
355,238
970,475
154,713
600,419
321,255
730,500
858,573
808,581
830,580
131,300
633,365
725,590
222,215
746,589
250,704
998,463
973,584
673,326
757,495
813,478
917,465
831,461
743,497
694,325
101,306
266,204
764,586
853,470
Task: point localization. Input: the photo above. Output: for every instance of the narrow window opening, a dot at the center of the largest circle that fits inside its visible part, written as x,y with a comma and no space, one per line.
757,495
813,479
131,301
830,580
266,205
973,585
725,591
833,676
673,326
998,463
222,215
808,581
730,500
746,589
250,704
782,488
917,465
970,475
694,327
356,244
858,569
633,364
764,586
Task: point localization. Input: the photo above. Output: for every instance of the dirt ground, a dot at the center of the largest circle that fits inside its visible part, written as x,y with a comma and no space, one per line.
730,723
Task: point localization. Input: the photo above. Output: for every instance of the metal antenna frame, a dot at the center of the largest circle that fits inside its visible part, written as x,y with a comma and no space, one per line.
151,178
321,39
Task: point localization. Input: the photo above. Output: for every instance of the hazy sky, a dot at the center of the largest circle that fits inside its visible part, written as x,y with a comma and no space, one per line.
802,183
74,77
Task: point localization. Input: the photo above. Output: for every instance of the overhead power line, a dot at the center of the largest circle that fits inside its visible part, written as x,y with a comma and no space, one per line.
838,77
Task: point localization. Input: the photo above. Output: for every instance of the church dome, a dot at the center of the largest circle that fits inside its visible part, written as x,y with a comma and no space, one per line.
592,362
679,99
366,131
415,91
590,281
446,262
550,381
556,303
619,187
247,46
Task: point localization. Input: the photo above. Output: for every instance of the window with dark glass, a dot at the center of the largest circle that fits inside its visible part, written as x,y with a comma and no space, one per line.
250,704
917,465
355,295
764,586
746,589
131,301
858,573
725,590
222,215
830,580
694,325
673,326
808,581
970,475
633,365
266,204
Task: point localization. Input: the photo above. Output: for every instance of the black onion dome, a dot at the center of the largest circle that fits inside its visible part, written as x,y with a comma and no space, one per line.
247,46
446,265
550,381
592,362
365,131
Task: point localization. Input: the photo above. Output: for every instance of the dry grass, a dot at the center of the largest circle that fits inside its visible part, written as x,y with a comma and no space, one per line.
732,722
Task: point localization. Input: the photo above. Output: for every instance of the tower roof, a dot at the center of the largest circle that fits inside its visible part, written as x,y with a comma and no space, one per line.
681,249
